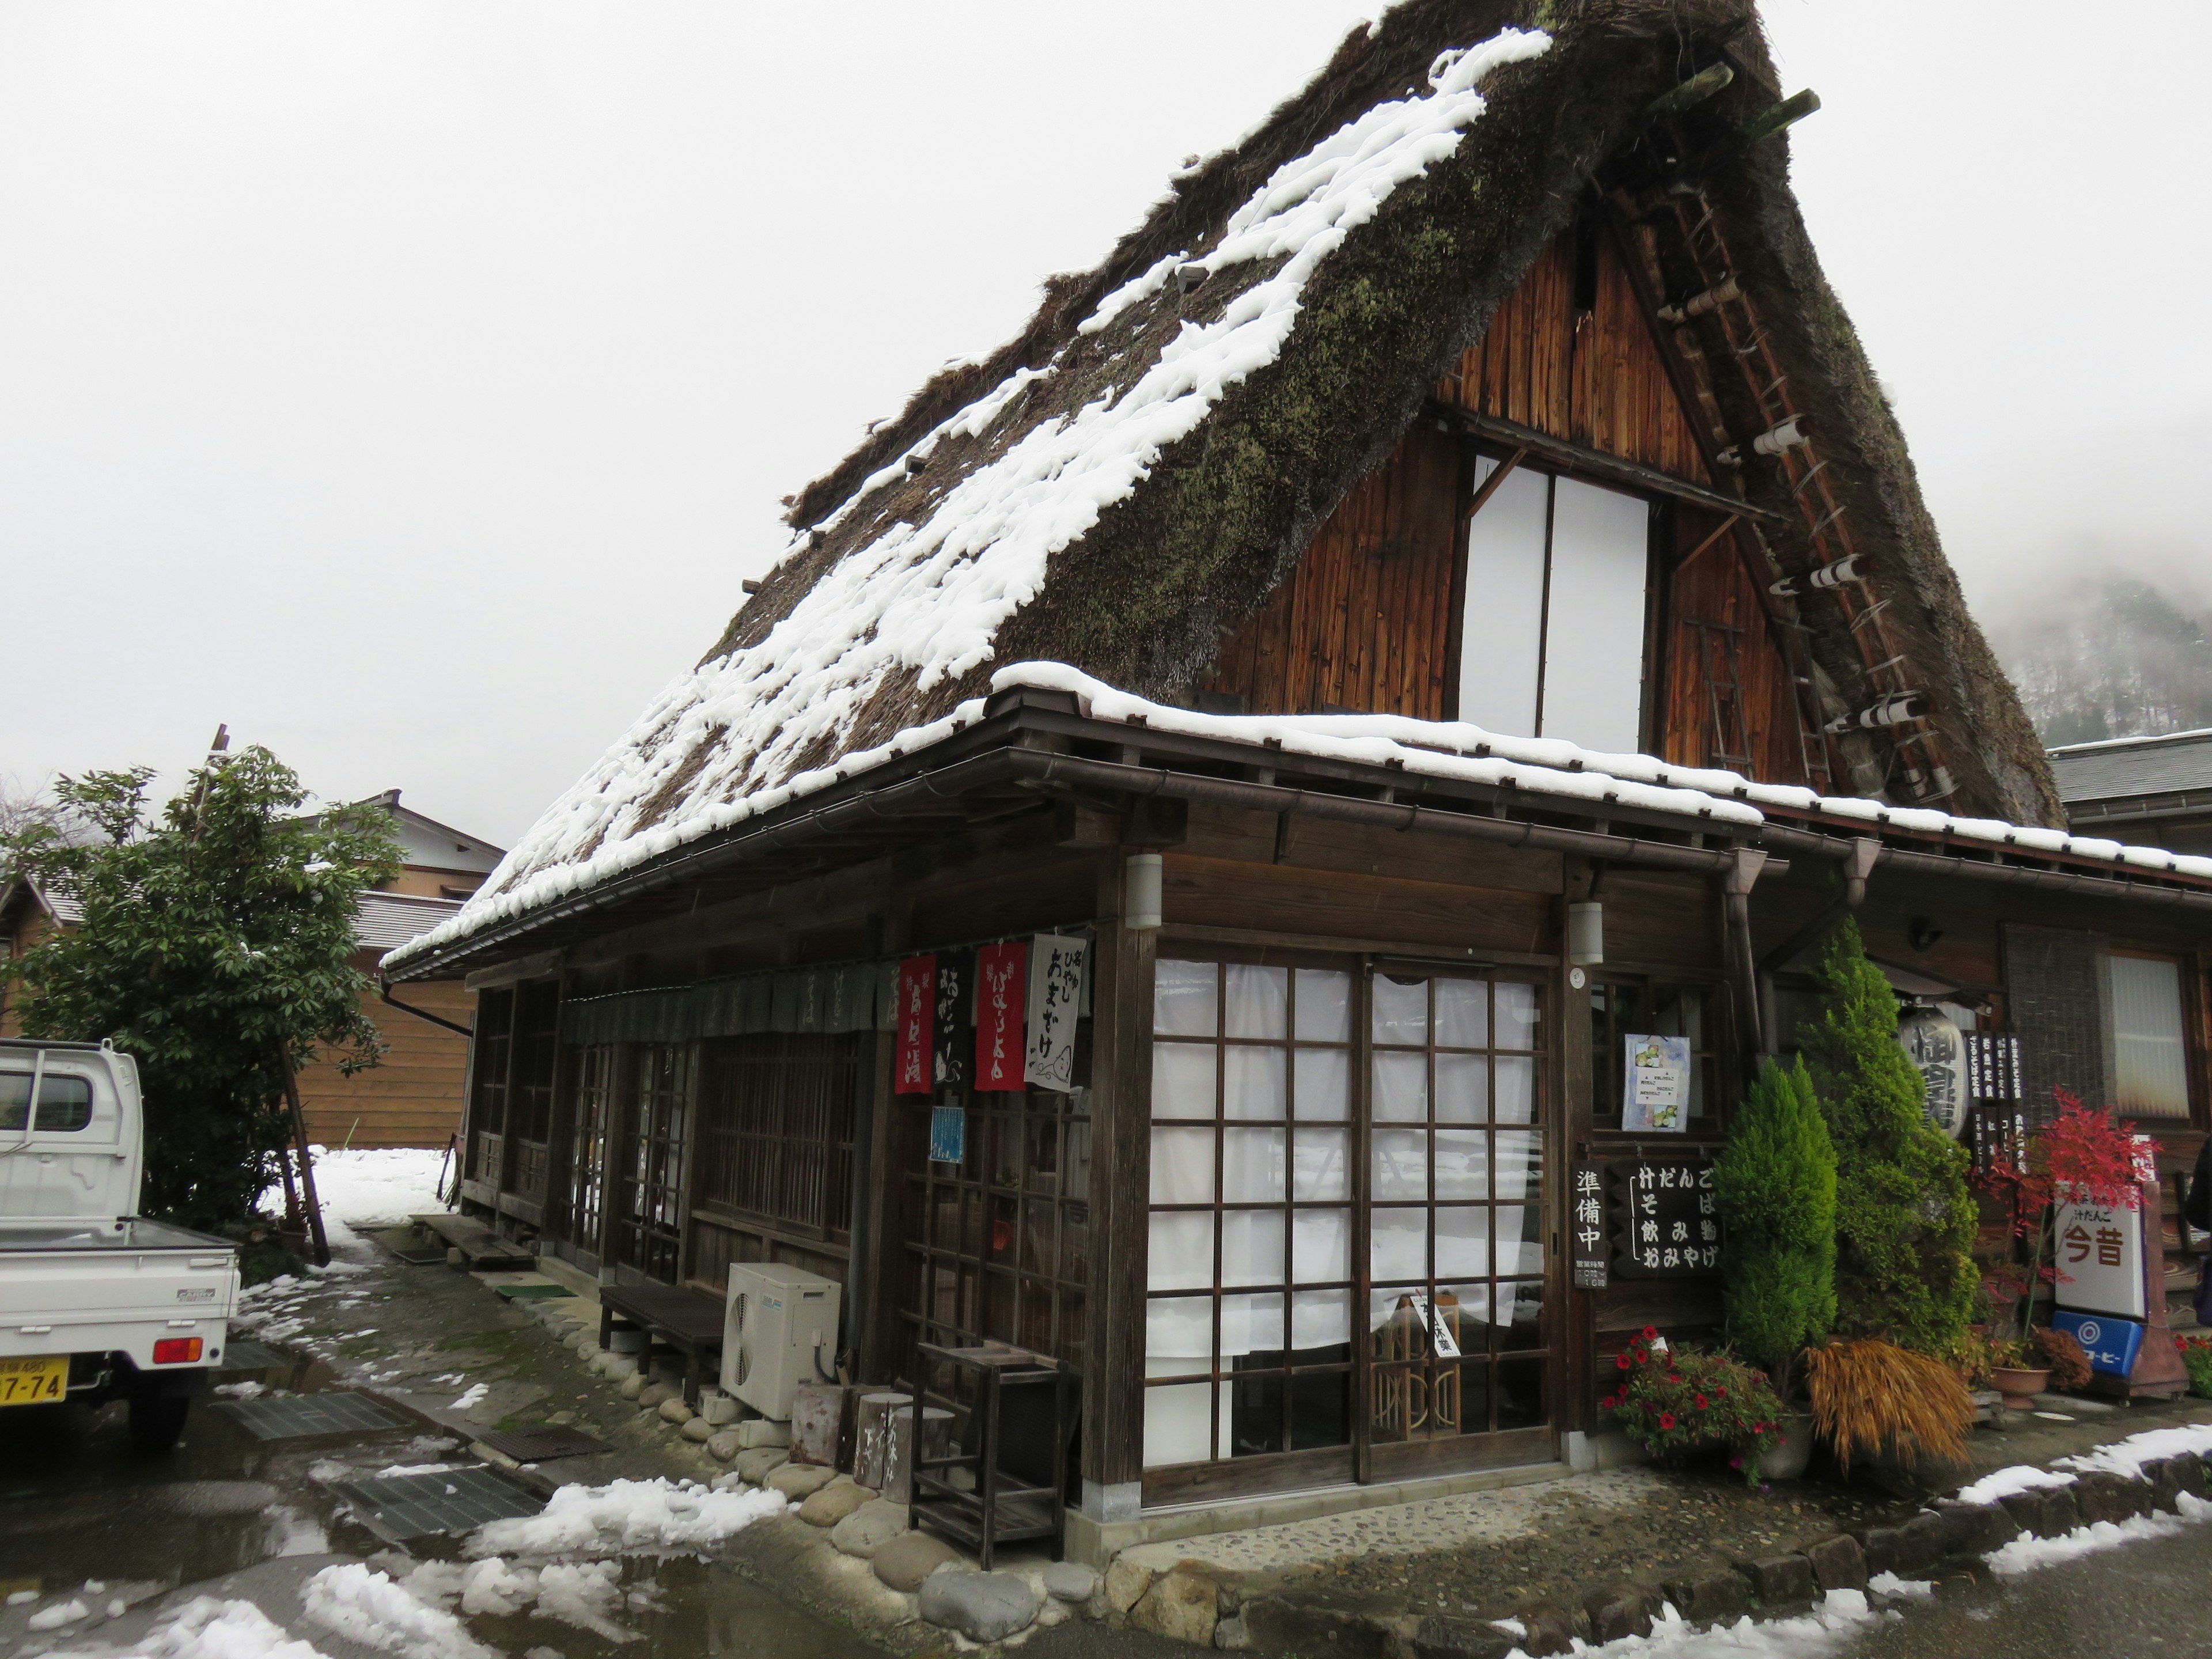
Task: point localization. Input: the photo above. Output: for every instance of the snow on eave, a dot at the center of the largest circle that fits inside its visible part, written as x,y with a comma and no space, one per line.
1453,749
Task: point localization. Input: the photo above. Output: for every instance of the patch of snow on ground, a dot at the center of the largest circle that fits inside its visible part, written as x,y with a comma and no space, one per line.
584,1594
1844,1615
1888,1583
62,1613
2005,1483
627,1515
371,1187
2027,1553
363,1604
2127,1457
208,1628
472,1398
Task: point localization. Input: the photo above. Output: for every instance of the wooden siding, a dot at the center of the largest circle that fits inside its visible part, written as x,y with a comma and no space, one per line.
413,1098
1364,621
1730,700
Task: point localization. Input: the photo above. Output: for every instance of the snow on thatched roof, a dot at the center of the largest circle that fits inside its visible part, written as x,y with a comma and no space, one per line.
1126,482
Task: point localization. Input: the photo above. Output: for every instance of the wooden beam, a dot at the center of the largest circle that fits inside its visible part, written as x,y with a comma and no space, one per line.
1596,463
1489,485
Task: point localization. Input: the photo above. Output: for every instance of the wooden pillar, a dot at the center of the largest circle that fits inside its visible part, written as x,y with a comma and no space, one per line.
882,1341
1575,1311
1121,1085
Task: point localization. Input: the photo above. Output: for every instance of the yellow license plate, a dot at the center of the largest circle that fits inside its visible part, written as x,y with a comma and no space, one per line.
38,1380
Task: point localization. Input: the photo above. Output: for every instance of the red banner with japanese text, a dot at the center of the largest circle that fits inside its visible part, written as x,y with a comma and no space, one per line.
911,1071
1001,989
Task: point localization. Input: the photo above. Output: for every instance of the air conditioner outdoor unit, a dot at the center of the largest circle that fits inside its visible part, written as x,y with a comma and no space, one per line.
779,1330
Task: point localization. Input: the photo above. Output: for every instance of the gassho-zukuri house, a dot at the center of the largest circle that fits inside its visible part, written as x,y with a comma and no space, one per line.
1164,870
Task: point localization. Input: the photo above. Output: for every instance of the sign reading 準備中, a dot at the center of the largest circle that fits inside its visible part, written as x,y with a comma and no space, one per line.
1670,1223
912,1064
1586,1228
1053,1006
1001,988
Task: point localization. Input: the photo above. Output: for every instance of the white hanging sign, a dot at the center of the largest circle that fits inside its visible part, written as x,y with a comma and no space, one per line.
1658,1096
1441,1340
2099,1255
1055,1004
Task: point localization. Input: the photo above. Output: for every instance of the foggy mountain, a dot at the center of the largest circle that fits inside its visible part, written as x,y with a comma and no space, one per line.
2109,657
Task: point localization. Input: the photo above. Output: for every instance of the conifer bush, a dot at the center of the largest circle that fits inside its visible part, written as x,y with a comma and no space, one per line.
1776,1184
1905,1222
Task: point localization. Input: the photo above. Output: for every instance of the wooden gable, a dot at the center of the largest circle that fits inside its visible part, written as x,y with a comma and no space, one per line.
1369,621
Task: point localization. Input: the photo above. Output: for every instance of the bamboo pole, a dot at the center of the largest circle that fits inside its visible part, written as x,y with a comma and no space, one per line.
306,1163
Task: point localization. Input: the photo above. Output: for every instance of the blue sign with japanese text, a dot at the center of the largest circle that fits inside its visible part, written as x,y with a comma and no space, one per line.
948,1134
2112,1344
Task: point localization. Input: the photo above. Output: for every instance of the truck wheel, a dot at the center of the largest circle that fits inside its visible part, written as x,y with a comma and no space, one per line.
157,1420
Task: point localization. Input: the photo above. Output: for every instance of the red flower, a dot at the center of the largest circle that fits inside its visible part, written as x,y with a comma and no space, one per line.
1622,1361
1641,1356
1666,1419
1650,1333
1720,1394
1701,1402
1673,1376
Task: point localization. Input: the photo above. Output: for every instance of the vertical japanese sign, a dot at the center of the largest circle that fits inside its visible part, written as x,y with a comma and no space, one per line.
1055,1003
917,1018
1657,1096
955,1007
2099,1258
1671,1225
1002,988
1587,1233
948,1134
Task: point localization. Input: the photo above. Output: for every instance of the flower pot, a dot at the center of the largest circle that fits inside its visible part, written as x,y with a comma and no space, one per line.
2018,1384
1787,1460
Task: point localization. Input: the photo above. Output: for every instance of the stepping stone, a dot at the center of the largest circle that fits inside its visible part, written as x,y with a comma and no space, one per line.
797,1480
869,1527
983,1607
827,1507
1070,1580
911,1556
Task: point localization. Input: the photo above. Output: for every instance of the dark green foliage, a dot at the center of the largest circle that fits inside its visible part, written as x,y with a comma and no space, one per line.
1775,1183
1905,1223
216,940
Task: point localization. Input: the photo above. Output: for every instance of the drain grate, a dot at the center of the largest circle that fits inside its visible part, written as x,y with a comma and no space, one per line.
542,1445
291,1416
531,1292
401,1506
244,1356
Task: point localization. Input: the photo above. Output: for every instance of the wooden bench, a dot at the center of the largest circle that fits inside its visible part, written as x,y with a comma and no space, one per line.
484,1250
688,1321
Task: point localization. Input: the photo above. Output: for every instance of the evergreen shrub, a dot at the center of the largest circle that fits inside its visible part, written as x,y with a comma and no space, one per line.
1776,1184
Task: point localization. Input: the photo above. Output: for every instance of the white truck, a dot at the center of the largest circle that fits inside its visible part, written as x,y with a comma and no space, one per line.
97,1304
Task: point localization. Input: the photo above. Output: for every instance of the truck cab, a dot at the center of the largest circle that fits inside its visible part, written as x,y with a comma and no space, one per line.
96,1301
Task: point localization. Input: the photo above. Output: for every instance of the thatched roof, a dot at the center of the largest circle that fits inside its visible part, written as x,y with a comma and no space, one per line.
1126,482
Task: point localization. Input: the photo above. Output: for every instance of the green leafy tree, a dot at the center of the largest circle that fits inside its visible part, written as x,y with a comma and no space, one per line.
1776,1184
1905,1222
217,947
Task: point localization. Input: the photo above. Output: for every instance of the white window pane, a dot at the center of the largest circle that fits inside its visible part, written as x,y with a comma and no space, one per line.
1519,1250
1502,626
1254,1084
1252,1166
1398,1245
1324,1079
1180,1327
1324,1006
1463,1164
1473,1302
1462,1013
1401,1088
1400,1164
1252,1247
1594,642
1322,1166
1321,1246
1251,1324
1516,1014
1180,1251
1182,1080
1182,1166
1185,997
1462,1243
1320,1319
1179,1422
1462,1088
2150,1057
1519,1167
1517,1089
1402,1009
1259,1001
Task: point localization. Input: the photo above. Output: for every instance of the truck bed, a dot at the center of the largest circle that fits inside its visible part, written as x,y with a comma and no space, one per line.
135,1233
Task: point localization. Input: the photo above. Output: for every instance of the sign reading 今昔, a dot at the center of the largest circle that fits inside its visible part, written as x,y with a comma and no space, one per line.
2098,1256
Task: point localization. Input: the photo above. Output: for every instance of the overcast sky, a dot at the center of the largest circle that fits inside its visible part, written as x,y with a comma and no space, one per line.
411,386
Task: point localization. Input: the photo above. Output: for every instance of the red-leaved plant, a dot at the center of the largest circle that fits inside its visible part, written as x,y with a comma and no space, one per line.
1675,1401
2083,1156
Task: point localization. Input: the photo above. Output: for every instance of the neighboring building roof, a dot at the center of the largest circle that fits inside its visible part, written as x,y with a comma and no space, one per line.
428,844
385,921
59,904
1124,483
2130,767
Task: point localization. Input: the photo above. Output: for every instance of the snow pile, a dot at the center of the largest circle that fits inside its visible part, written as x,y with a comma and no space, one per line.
925,600
365,1606
1841,1616
62,1613
627,1515
208,1628
372,1188
1888,1583
585,1594
2127,1457
2027,1552
2021,1477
